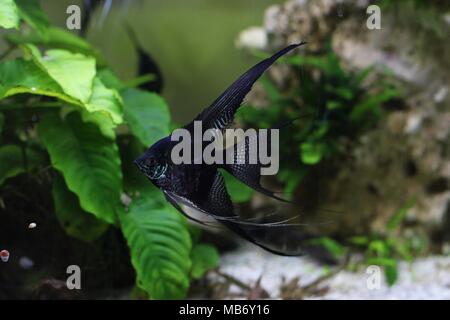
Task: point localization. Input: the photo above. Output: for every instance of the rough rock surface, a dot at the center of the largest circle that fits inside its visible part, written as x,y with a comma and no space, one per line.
408,155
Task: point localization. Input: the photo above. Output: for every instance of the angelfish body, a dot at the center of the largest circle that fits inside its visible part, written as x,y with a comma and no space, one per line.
201,186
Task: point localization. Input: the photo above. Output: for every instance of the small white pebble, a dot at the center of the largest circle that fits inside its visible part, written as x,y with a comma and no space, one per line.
26,263
125,199
32,225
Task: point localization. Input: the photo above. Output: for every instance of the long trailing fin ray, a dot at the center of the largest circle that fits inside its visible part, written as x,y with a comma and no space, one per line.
221,112
218,201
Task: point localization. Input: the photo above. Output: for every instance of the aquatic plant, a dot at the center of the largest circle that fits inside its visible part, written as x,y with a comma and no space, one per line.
65,114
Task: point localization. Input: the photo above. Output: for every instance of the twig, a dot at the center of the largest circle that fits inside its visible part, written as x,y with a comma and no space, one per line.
233,280
327,276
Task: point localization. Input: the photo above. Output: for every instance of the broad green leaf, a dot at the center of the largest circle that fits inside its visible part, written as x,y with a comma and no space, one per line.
204,257
89,162
105,100
104,107
102,120
22,76
159,245
9,16
74,72
30,11
14,161
147,115
56,38
74,220
110,80
239,192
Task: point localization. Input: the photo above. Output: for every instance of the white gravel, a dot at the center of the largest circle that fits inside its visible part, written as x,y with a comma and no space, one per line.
427,278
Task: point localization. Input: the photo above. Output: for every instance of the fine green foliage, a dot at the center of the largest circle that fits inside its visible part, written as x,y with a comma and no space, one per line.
329,103
76,105
385,249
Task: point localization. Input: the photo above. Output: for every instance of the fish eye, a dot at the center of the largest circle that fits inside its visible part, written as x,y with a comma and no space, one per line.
151,162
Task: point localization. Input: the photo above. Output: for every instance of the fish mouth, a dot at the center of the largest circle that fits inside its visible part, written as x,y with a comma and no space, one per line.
138,164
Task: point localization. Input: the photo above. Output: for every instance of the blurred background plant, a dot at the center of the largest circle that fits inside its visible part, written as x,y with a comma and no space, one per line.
328,102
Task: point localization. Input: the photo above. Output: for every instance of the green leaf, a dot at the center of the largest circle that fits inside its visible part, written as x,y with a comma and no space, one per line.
9,16
14,161
359,240
110,80
391,273
204,257
74,72
21,76
30,11
398,217
89,162
147,115
104,107
105,100
390,268
160,245
381,261
74,220
56,38
102,120
330,245
378,248
239,192
311,153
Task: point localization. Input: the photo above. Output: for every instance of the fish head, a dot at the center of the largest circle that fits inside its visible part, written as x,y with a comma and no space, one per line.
152,162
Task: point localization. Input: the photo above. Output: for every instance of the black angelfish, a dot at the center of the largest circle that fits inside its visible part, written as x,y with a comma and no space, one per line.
202,187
